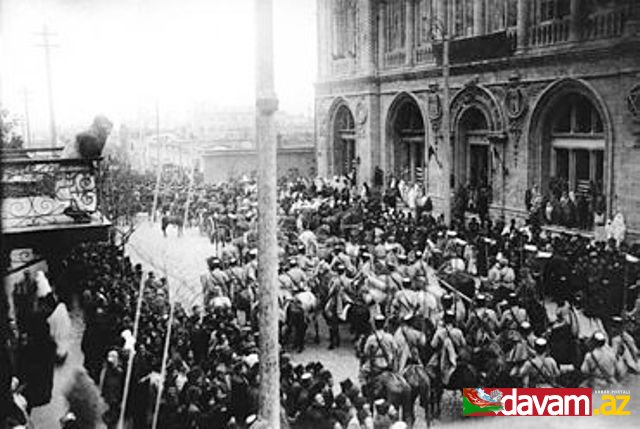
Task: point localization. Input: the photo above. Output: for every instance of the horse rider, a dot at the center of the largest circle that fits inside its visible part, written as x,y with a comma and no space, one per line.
219,277
235,273
251,267
404,302
297,276
540,370
523,348
336,301
379,355
418,270
625,348
510,320
599,365
448,344
501,276
482,323
448,303
411,343
305,262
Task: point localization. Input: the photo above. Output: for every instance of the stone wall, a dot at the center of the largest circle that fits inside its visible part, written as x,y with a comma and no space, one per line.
224,165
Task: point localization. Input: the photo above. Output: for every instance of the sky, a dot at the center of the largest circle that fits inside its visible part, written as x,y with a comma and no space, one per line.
117,57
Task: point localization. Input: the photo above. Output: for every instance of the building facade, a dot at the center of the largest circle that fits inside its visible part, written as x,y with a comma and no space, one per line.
541,93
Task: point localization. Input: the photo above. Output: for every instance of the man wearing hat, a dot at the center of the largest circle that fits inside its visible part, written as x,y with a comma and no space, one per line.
411,343
404,302
336,300
380,351
501,275
523,348
297,276
251,267
511,318
448,343
305,262
599,365
381,419
483,322
624,346
540,370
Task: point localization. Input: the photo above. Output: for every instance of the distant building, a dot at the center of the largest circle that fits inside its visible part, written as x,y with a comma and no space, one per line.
543,93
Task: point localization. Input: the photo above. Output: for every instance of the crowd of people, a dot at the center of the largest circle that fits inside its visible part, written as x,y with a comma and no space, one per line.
425,302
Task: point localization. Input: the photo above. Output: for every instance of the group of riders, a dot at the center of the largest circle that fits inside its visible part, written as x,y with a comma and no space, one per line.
423,318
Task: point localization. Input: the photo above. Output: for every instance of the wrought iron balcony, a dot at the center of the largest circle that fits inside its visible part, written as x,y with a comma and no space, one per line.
43,191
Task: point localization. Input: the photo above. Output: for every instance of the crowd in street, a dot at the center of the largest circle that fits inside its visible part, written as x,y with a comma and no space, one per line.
425,303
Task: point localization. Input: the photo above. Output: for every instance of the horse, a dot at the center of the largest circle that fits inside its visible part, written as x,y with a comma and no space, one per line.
392,387
300,310
171,220
359,321
419,381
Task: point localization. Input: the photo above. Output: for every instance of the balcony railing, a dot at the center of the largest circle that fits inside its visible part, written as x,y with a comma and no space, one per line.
604,24
50,191
550,32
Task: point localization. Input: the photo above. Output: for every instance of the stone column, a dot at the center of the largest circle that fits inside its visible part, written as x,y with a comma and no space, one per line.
575,23
382,15
478,18
524,21
440,15
323,36
367,35
410,31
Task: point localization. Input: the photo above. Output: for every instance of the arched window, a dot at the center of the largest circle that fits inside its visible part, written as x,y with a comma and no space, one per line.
344,28
578,144
395,26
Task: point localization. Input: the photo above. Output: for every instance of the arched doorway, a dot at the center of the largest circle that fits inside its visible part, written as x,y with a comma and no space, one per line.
477,121
474,164
344,141
406,127
569,140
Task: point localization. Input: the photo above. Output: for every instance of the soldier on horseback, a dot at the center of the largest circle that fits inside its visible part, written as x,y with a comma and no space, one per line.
215,279
540,370
379,355
625,348
599,365
511,320
448,343
334,307
482,323
523,347
411,344
296,275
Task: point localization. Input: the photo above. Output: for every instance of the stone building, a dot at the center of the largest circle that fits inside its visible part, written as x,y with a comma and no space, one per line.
541,93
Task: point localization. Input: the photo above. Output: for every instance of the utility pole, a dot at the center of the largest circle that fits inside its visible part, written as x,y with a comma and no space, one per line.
27,124
159,166
47,56
266,106
446,130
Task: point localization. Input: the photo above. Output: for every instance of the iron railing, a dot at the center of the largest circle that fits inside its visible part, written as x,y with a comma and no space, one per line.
49,191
